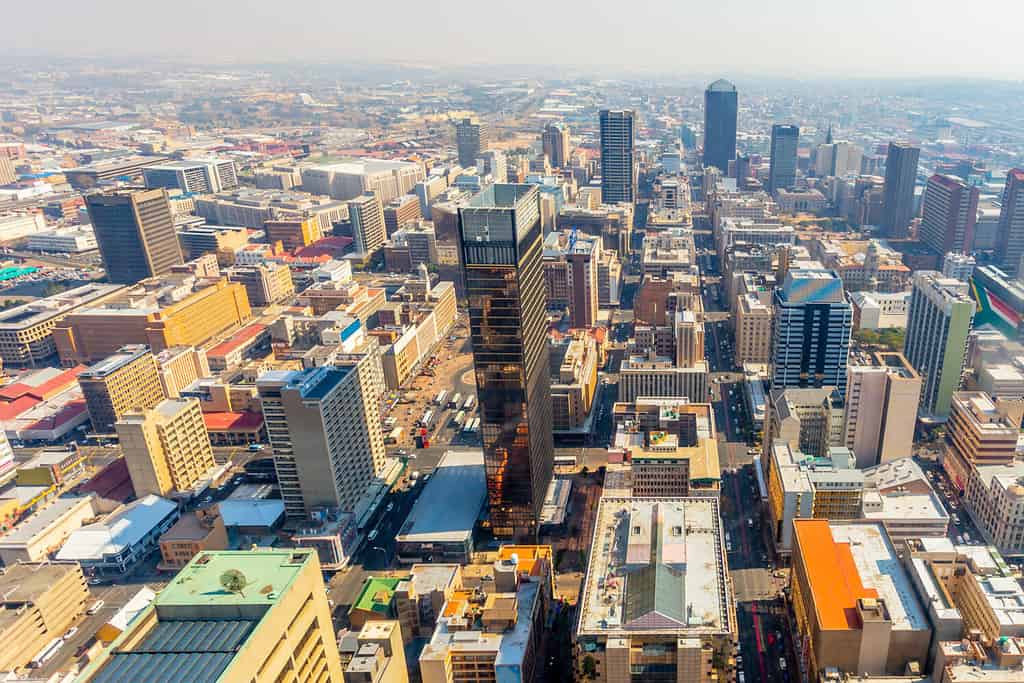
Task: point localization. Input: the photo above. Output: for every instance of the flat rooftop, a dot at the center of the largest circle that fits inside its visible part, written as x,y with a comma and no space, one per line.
268,574
657,566
450,503
43,519
26,582
114,362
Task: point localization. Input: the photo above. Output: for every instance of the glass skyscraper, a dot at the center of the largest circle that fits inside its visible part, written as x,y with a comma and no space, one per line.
502,250
618,163
782,169
720,108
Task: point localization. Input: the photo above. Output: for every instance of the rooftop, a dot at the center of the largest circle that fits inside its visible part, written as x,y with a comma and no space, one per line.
268,574
376,595
656,566
43,519
451,501
122,528
25,582
110,364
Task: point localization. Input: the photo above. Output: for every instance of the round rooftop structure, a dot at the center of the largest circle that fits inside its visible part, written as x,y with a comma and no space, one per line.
721,85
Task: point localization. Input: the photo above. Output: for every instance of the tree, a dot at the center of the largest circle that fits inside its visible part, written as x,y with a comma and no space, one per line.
590,667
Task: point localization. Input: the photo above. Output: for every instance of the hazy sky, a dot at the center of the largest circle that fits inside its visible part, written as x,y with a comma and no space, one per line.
777,37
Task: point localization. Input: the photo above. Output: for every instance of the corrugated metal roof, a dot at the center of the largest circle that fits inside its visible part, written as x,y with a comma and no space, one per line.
179,652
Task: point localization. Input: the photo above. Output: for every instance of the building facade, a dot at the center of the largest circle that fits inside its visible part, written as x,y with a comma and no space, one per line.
720,110
782,168
135,233
128,380
948,215
618,162
900,179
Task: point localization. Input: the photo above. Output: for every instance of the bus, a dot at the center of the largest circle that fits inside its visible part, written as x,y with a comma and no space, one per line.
47,653
454,401
565,463
427,420
441,398
459,418
470,402
468,427
393,436
476,424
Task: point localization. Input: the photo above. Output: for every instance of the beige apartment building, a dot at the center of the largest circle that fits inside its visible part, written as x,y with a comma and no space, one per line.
753,330
377,654
26,331
128,380
235,616
264,284
38,602
179,366
980,431
166,447
175,310
882,394
574,387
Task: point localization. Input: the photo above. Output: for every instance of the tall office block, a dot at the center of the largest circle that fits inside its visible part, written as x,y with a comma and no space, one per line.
882,393
949,214
135,233
1010,237
324,428
555,140
939,320
618,160
720,110
366,214
501,245
234,617
471,138
900,178
166,447
128,380
811,331
782,170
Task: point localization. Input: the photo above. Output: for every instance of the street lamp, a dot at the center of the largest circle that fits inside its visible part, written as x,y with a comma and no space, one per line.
384,552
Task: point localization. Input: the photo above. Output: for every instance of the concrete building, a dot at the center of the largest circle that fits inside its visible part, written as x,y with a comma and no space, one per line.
179,366
324,428
472,137
855,606
809,420
556,145
230,616
492,628
178,310
379,656
659,376
994,498
129,380
574,363
571,277
223,241
194,533
70,239
1010,234
900,179
252,208
400,211
618,160
166,447
366,213
26,331
116,544
939,320
949,214
135,233
501,244
753,330
264,284
193,176
879,310
420,599
90,175
293,233
441,524
346,180
882,394
33,538
658,599
801,201
410,246
811,333
38,603
958,266
980,431
782,169
802,486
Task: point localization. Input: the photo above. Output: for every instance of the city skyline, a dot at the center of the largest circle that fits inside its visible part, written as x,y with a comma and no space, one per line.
860,44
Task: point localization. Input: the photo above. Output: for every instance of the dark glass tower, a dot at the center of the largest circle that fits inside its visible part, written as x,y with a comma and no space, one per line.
782,171
618,163
720,107
135,233
900,178
501,246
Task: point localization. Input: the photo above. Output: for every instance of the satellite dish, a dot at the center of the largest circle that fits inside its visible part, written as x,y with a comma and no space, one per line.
233,581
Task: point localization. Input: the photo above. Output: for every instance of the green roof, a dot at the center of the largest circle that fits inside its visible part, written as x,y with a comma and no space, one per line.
376,595
267,573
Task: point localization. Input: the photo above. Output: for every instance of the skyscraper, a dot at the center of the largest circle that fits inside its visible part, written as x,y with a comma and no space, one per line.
900,178
366,214
939,320
618,163
720,108
949,214
555,140
471,138
782,171
1010,238
501,244
135,233
324,428
811,331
